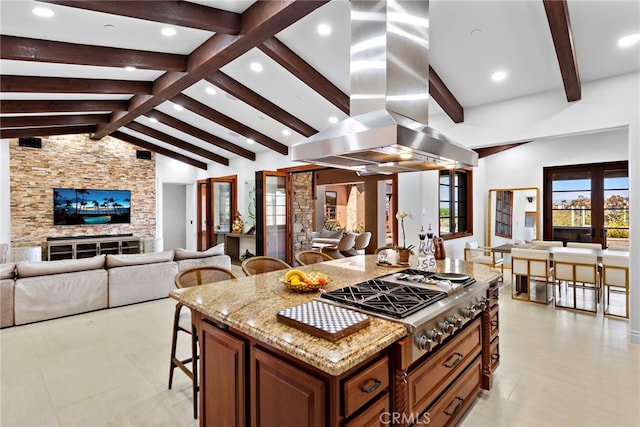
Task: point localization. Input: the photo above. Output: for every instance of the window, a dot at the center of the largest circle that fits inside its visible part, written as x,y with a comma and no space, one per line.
330,205
504,213
455,203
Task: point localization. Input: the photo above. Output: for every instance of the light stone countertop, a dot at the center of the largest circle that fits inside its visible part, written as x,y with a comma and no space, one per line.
250,304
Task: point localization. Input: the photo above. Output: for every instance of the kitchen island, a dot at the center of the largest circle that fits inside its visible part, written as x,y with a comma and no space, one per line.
257,371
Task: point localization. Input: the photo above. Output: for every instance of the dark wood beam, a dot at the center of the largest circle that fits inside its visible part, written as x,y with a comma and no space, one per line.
156,148
200,134
260,103
297,66
488,151
260,21
33,84
60,106
176,142
48,131
181,13
24,49
560,26
52,120
443,96
229,123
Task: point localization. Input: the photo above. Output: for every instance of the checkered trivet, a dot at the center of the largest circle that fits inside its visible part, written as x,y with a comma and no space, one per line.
325,320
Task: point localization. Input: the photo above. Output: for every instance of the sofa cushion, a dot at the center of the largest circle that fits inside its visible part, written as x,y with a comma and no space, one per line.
45,268
7,271
138,259
136,283
223,261
330,234
185,254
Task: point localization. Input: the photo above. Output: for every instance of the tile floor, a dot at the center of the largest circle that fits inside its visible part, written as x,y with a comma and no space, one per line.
109,368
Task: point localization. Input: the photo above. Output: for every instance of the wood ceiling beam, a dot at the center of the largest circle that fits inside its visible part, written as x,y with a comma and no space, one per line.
181,13
25,49
200,134
52,120
260,103
297,66
488,151
156,148
260,21
560,25
176,142
229,123
31,84
443,96
60,106
46,131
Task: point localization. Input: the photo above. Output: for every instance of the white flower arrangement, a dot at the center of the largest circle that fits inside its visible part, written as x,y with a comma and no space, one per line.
401,215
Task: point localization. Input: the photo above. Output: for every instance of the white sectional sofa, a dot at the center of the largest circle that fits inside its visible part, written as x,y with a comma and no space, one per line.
35,291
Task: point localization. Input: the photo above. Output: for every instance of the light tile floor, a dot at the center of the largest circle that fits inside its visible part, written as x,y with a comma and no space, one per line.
110,368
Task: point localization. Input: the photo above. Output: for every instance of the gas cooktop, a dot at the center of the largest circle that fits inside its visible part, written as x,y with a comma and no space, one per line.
384,297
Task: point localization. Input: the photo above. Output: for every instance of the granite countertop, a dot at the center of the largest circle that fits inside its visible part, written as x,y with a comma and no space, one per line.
250,304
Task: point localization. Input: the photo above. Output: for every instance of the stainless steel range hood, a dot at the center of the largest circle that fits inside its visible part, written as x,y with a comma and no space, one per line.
387,131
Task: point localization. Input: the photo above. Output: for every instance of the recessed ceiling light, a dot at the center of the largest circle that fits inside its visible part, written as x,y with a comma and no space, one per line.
42,12
286,132
130,68
250,141
498,76
324,29
178,107
210,90
333,119
256,66
109,26
153,120
629,40
476,32
168,31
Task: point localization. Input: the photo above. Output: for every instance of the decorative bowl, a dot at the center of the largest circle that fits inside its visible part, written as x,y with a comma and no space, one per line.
310,282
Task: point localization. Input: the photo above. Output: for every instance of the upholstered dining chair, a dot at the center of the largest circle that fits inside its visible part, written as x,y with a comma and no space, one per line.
311,257
262,264
615,274
579,273
346,242
546,243
584,245
531,275
473,252
186,278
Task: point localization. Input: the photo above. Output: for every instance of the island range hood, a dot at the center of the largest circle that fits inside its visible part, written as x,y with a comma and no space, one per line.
387,131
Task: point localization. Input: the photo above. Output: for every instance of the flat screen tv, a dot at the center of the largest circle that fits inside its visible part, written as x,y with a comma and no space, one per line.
82,206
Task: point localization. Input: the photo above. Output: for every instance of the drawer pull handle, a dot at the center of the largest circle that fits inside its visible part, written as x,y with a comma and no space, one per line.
456,409
495,356
455,362
374,387
494,323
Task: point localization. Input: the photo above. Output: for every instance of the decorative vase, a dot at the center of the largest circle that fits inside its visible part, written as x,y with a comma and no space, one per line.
403,256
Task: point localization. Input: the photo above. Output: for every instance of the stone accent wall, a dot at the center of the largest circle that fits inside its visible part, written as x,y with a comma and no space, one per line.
303,208
75,161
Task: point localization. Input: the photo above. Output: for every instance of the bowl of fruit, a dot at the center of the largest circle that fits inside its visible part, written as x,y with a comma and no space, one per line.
299,281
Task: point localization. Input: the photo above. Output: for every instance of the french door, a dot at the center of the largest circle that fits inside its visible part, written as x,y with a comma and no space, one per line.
217,207
273,233
587,203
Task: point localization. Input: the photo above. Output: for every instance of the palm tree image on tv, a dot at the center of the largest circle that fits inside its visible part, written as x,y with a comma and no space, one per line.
78,206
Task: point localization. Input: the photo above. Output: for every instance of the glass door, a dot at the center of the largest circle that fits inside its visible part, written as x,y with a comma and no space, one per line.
587,203
203,215
273,237
217,207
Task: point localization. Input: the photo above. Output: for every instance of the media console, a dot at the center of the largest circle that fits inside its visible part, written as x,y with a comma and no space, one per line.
88,246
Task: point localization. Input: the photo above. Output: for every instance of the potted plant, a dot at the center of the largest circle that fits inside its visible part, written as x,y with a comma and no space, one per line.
404,251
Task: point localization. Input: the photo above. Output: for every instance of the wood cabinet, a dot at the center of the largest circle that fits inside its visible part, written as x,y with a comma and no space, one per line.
85,247
222,378
490,336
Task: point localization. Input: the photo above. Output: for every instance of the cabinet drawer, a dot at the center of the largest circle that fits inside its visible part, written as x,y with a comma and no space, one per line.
448,408
426,382
494,323
494,354
365,385
376,415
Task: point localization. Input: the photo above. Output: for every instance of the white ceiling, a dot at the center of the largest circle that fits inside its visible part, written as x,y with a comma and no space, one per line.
513,36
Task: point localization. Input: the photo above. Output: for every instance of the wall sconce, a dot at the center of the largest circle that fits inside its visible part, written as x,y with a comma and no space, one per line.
530,199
